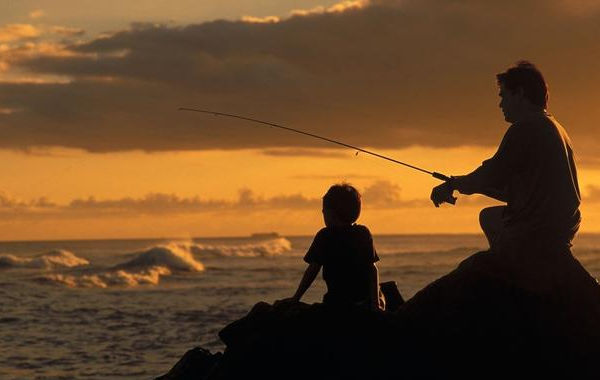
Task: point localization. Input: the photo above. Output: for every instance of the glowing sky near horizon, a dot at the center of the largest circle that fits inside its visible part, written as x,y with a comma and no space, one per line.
93,146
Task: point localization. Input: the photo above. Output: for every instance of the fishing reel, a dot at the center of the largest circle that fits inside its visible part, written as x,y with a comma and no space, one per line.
450,199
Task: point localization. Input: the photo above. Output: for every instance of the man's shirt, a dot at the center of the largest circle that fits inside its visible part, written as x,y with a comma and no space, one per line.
534,172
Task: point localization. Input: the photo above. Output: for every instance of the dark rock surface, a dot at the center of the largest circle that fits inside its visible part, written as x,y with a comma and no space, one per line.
533,313
196,363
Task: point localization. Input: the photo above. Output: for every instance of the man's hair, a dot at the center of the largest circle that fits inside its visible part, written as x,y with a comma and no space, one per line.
344,200
525,75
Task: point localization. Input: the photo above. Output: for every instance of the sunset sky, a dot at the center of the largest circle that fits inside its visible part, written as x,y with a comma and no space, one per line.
92,144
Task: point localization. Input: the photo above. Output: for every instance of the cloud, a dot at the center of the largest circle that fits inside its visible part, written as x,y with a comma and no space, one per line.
382,193
7,111
37,13
379,194
14,32
158,203
581,7
335,8
260,20
68,31
12,54
7,202
151,204
385,194
400,73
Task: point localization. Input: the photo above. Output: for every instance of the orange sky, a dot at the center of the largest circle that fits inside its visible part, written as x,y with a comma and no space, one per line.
93,146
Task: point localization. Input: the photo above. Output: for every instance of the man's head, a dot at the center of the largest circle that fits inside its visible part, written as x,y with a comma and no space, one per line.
522,90
341,205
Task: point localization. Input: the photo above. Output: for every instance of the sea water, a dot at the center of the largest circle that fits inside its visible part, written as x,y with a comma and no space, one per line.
112,309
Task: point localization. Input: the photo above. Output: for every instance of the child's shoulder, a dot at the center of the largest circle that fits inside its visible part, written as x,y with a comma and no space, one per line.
335,232
359,228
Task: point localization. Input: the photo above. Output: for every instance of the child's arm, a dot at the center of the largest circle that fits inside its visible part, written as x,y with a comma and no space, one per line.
374,287
309,276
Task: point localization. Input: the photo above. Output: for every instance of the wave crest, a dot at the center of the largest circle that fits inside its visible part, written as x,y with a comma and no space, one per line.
173,256
266,248
146,268
149,276
53,259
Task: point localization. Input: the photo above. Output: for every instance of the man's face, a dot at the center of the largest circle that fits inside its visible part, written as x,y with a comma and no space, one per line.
509,103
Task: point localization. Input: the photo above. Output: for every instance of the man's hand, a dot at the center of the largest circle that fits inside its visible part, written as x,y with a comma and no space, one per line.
442,193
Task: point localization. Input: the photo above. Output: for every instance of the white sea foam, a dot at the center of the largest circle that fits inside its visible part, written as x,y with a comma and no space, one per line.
149,276
146,268
174,256
53,259
265,248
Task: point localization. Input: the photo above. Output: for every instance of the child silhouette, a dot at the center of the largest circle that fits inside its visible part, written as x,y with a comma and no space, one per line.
346,252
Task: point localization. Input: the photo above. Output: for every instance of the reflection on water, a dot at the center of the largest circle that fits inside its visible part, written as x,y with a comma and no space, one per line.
131,308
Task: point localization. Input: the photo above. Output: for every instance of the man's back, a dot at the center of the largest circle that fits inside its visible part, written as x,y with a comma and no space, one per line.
542,190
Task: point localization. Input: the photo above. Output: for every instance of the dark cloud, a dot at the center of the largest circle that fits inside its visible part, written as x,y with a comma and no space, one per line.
66,31
389,75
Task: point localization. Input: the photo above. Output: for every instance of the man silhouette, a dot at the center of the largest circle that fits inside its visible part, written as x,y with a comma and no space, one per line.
533,170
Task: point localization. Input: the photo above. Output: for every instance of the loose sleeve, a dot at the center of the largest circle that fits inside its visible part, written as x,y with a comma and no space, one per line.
492,176
316,252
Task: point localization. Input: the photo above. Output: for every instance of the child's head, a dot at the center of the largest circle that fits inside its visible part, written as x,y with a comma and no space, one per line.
341,205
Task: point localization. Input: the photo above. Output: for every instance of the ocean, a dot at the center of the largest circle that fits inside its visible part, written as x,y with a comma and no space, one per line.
110,309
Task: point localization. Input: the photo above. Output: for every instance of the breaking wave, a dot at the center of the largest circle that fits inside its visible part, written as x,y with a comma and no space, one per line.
172,256
50,260
265,248
146,268
150,276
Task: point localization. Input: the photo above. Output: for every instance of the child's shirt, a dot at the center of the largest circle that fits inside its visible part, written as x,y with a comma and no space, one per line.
347,255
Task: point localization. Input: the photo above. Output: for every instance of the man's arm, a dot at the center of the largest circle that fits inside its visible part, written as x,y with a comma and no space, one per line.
478,182
492,176
309,276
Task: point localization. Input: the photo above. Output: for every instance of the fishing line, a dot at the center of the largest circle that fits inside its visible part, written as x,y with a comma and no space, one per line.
437,175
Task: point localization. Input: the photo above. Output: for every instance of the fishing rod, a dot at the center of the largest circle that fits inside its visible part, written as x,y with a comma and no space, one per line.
437,175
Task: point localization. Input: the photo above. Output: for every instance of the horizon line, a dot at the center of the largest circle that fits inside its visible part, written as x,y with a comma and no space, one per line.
245,237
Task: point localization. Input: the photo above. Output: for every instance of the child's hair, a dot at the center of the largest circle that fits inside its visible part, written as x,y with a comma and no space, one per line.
344,200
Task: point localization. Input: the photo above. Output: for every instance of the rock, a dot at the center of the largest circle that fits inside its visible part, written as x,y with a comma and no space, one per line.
533,312
196,364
